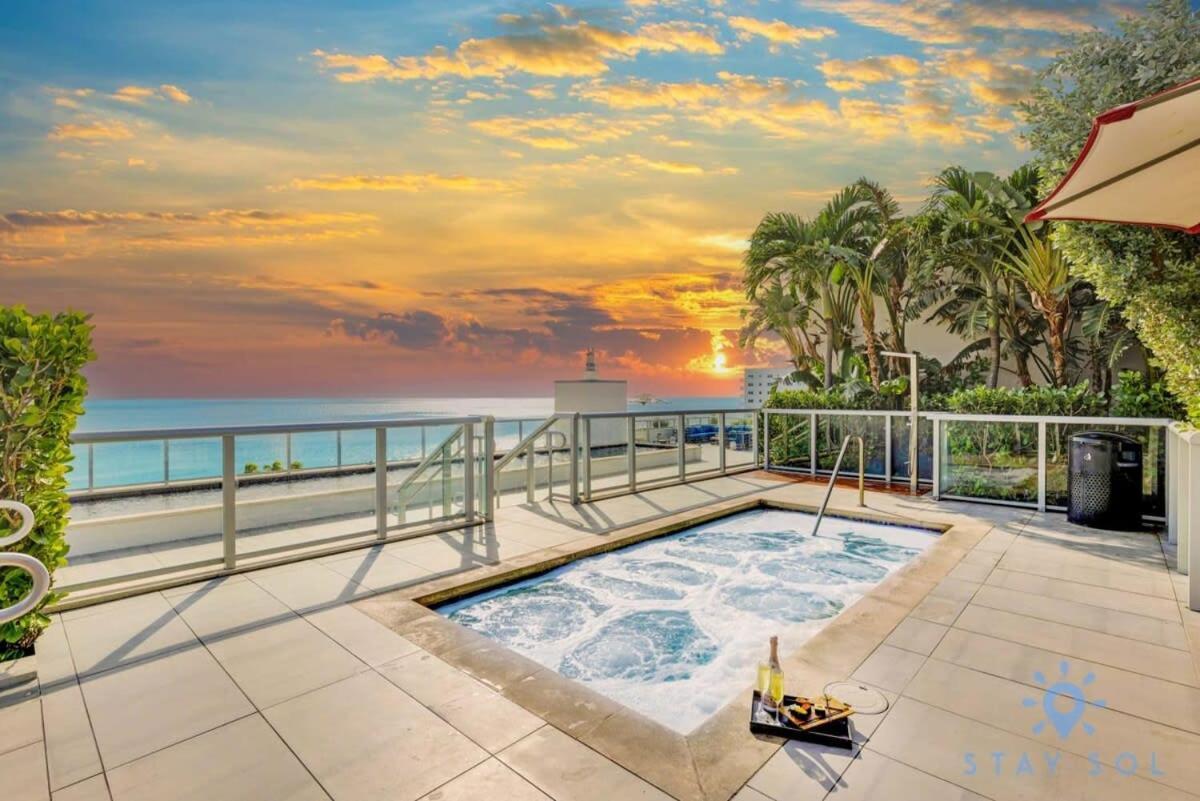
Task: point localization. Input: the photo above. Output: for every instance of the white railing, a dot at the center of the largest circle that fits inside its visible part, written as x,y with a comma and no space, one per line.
1183,504
241,519
37,571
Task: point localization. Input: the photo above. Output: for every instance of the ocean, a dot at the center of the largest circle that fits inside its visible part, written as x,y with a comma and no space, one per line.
125,463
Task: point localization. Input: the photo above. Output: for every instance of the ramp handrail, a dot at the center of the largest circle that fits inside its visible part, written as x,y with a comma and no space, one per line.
440,452
22,561
837,465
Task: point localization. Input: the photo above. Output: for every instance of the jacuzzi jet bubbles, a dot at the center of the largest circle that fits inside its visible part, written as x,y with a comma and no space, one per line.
673,627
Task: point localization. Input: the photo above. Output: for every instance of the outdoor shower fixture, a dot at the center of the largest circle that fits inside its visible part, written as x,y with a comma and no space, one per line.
914,469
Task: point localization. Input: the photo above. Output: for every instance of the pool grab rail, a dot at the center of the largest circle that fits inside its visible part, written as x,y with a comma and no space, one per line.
36,570
833,478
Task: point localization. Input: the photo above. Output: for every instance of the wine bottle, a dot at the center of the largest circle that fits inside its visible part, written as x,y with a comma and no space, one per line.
774,695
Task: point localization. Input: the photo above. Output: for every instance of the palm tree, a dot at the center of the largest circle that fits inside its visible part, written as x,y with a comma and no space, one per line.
1043,269
775,308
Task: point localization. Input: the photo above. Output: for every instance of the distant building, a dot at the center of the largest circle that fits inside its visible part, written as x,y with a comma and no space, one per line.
591,393
758,381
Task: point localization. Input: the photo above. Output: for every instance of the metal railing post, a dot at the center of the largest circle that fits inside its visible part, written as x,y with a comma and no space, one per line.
91,466
914,456
489,477
339,448
812,444
549,466
287,451
681,442
573,465
587,459
381,483
228,502
631,452
766,440
469,471
887,449
937,458
530,475
721,443
166,461
1041,465
447,481
424,449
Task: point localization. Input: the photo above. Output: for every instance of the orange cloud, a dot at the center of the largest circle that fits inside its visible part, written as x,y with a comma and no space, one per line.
565,132
94,131
137,95
842,76
407,182
776,31
557,50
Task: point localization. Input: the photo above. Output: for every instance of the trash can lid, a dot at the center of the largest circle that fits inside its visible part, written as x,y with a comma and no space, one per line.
1104,436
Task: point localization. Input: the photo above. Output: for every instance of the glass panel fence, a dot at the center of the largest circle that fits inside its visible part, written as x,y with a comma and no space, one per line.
313,450
739,440
433,490
832,429
900,455
277,511
701,449
789,438
657,441
1154,458
995,461
608,458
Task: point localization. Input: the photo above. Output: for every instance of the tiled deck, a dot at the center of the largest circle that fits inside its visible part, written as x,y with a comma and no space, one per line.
282,684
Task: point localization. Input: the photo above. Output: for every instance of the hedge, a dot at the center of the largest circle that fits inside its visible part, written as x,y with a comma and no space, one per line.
41,394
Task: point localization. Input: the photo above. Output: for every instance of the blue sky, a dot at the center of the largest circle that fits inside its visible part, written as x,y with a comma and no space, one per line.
277,198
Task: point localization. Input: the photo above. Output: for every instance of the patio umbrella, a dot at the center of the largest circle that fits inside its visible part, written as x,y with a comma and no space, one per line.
1140,165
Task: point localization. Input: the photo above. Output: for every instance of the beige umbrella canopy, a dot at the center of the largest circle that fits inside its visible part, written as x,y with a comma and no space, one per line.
1140,165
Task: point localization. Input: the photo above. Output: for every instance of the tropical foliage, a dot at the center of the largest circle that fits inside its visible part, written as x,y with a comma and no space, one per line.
1150,276
41,394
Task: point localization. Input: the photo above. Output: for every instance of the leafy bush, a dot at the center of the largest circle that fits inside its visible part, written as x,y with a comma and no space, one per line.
1135,396
296,465
1076,401
249,468
1152,274
41,394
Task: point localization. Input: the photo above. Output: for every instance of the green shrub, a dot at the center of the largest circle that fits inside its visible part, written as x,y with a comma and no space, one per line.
1134,396
250,468
296,466
1076,401
41,395
276,466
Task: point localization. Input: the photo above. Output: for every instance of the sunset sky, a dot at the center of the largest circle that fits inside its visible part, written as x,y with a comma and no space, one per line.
456,198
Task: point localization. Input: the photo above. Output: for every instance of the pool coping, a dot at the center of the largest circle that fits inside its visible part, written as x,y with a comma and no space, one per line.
713,761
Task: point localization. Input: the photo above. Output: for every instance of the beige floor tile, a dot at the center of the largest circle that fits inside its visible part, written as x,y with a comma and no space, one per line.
244,760
567,770
1097,618
750,794
20,718
23,774
363,738
446,553
171,698
477,711
889,668
1146,605
304,586
71,752
998,702
917,635
967,571
493,779
939,609
1173,704
378,571
872,776
949,746
197,588
93,789
1158,586
362,636
955,589
802,772
227,609
131,630
1105,649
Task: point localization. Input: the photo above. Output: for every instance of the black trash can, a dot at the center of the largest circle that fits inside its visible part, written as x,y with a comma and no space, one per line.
1104,481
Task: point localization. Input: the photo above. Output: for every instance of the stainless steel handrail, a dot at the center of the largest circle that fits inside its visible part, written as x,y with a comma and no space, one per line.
516,450
439,452
675,413
837,465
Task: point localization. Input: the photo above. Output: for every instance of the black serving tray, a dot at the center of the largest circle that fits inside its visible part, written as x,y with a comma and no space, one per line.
835,733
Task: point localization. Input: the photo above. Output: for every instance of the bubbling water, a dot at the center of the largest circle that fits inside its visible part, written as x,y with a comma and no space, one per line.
673,627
